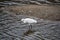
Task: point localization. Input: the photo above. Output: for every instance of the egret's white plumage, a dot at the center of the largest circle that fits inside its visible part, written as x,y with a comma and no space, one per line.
29,21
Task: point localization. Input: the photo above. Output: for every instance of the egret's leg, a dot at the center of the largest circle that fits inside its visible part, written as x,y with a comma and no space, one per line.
30,27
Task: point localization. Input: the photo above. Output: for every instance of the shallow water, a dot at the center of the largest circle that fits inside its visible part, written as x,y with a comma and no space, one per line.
11,28
20,3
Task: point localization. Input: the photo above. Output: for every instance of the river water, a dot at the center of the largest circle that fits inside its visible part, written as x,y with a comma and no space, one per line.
11,28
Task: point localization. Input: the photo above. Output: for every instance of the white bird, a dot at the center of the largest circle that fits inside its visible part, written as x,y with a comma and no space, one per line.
29,21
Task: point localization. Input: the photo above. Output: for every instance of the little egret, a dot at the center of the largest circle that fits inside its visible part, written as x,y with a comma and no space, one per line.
29,21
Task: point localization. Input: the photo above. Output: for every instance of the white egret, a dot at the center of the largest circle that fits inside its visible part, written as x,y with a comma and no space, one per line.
29,21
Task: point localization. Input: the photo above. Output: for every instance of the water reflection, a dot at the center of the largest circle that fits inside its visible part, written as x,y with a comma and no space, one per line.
11,28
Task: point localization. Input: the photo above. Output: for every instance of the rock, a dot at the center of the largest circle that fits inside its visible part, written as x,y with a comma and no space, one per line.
46,12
